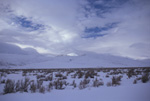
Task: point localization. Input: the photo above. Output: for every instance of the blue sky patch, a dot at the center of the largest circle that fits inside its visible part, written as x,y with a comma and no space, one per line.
95,32
105,6
28,24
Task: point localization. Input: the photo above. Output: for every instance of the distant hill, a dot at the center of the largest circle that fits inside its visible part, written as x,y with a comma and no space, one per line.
28,58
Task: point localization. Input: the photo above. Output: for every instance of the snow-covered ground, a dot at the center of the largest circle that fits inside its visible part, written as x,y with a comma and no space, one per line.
125,90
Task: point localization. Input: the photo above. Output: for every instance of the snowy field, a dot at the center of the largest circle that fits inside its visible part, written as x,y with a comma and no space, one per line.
97,84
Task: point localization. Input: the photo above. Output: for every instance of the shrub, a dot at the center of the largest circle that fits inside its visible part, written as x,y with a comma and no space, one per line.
58,75
24,85
49,78
17,88
130,73
139,78
39,84
33,87
109,84
74,84
74,75
86,81
116,80
97,83
65,83
43,79
24,74
64,77
9,86
3,81
50,86
42,89
107,75
90,73
145,78
3,74
101,83
80,74
58,84
83,84
40,76
134,82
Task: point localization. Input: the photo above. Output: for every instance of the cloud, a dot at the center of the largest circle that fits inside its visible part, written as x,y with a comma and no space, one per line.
132,28
51,26
7,48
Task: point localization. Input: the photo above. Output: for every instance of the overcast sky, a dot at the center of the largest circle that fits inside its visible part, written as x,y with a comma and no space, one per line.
117,27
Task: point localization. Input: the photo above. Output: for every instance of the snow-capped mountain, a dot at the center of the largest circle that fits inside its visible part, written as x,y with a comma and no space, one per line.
28,58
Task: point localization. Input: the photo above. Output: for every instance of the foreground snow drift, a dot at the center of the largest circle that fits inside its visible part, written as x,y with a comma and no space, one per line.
138,92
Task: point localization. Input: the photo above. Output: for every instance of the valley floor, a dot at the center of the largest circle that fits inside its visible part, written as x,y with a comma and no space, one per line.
100,85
